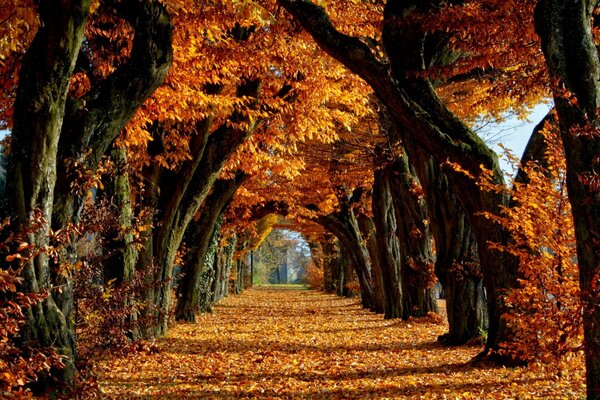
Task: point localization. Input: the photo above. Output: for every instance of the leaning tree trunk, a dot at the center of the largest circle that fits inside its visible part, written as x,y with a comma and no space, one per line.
384,217
202,232
31,177
344,226
572,56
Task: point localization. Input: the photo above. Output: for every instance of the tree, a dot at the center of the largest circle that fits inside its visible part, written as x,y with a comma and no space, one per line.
200,235
568,33
50,123
398,71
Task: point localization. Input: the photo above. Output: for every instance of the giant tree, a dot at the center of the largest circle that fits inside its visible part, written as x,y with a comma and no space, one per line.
52,124
569,41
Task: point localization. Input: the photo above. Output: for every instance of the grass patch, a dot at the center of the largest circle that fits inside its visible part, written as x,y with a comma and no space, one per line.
285,286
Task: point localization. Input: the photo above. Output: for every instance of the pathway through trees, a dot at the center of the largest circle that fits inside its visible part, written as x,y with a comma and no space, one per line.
297,344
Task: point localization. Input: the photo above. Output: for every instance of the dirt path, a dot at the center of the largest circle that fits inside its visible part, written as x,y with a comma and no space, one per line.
292,344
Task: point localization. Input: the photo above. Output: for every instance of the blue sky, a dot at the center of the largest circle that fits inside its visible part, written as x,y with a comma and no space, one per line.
513,134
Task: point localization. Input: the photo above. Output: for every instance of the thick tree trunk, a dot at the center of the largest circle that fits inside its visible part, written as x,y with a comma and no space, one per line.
416,243
31,177
457,263
201,233
384,217
572,56
367,228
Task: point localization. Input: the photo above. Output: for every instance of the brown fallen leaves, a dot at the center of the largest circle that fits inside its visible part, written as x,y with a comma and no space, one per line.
293,344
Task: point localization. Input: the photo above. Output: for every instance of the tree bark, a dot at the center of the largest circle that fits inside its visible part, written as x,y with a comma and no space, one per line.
415,238
344,226
122,256
49,127
329,264
202,232
457,263
224,261
31,177
572,57
367,228
384,217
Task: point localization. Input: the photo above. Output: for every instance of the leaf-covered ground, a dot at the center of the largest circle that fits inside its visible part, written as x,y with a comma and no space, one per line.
292,344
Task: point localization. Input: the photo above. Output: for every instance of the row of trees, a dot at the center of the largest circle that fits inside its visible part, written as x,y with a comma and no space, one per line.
144,126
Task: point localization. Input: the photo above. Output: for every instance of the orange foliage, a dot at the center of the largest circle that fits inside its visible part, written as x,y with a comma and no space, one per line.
545,311
315,276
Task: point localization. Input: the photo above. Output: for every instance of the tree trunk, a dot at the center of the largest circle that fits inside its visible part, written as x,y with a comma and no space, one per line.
457,263
122,256
201,233
368,231
344,226
329,265
572,57
416,243
31,177
51,129
346,274
340,278
240,276
388,244
224,261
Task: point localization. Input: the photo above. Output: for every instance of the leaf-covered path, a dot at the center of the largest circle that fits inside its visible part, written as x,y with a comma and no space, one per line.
296,344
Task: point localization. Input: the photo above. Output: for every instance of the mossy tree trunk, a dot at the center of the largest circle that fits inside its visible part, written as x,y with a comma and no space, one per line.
39,113
572,57
51,128
119,265
201,234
